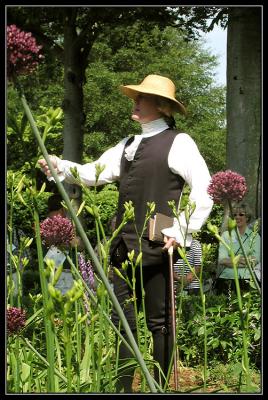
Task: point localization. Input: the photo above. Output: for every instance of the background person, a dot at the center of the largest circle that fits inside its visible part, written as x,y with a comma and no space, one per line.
251,244
152,166
191,284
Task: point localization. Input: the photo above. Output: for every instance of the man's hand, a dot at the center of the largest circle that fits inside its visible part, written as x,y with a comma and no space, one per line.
43,164
170,242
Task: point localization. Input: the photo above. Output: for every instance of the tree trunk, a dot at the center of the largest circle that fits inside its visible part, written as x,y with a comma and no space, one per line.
244,99
73,98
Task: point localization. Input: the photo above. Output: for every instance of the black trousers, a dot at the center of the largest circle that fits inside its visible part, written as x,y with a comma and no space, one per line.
157,310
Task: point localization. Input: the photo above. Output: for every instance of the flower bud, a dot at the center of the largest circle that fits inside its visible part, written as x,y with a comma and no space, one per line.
213,228
139,259
131,255
231,224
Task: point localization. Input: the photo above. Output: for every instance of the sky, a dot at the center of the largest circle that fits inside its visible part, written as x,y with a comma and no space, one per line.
216,43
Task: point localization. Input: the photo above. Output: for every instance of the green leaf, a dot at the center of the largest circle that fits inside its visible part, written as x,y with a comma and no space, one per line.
201,331
215,343
80,208
25,372
87,359
257,334
12,122
24,122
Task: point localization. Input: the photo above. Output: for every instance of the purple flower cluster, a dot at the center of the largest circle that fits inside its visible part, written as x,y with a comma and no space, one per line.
16,320
22,52
227,186
86,270
57,231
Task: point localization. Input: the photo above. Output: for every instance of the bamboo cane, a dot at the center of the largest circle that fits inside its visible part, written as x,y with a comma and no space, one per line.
173,313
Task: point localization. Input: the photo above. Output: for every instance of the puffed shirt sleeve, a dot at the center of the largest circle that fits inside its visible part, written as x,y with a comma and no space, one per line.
111,159
185,160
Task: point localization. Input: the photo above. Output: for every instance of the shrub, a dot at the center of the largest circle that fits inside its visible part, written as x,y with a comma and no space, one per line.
224,338
106,199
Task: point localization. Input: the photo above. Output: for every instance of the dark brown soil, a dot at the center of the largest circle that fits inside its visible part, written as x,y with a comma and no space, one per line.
188,379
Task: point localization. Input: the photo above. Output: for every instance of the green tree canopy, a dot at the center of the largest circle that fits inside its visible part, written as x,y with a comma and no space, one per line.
107,111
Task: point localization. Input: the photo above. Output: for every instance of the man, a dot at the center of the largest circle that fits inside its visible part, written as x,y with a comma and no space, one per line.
151,167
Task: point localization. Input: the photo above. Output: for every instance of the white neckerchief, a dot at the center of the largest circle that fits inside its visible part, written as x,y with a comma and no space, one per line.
150,129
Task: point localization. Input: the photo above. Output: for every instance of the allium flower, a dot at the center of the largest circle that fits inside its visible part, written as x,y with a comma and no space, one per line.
57,231
22,52
86,271
16,320
227,186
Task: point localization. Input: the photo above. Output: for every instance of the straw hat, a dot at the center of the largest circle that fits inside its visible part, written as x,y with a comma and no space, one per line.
157,85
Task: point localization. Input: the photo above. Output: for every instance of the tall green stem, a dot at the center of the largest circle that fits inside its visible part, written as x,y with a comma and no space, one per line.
78,332
243,317
11,290
245,360
252,274
150,210
68,352
47,321
203,301
17,372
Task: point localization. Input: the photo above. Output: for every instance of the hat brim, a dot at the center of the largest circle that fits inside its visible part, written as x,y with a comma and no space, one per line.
133,91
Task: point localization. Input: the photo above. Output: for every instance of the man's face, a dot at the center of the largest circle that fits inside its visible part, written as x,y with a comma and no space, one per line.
145,109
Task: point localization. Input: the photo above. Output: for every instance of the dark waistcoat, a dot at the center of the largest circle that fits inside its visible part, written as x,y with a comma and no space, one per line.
147,179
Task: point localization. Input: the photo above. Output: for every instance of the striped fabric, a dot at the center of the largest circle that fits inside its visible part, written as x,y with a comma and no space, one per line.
194,255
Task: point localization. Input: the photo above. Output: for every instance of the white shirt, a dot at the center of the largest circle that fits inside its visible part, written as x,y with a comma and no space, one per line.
184,159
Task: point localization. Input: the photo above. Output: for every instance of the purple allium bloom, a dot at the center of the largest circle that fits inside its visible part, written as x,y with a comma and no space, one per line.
16,320
22,52
57,231
86,271
227,186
